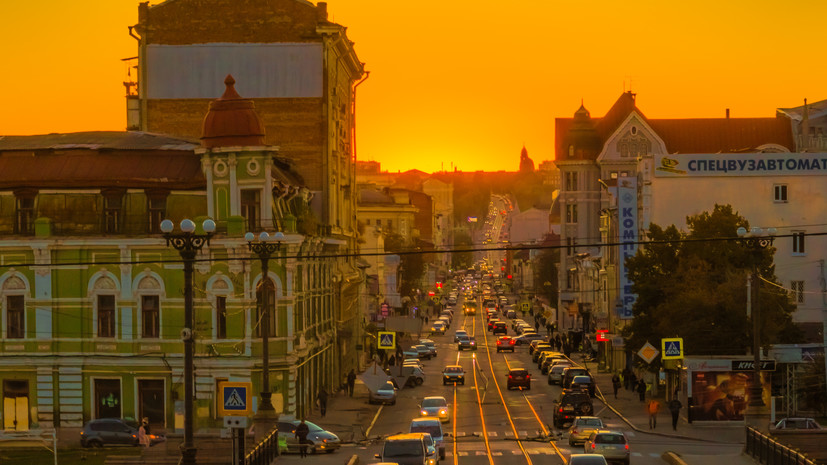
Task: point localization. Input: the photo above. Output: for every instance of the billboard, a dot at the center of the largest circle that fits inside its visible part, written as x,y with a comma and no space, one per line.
723,395
628,237
740,164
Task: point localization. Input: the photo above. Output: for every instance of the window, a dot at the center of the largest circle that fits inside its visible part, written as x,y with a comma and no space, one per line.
156,210
221,317
269,302
571,181
150,316
112,205
15,317
24,223
779,193
571,213
798,292
613,174
367,221
389,223
798,242
106,316
571,245
251,207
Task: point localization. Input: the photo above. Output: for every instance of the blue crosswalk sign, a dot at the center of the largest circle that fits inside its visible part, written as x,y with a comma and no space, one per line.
387,340
235,398
672,348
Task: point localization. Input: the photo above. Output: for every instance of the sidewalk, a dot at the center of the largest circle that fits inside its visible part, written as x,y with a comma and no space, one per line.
347,417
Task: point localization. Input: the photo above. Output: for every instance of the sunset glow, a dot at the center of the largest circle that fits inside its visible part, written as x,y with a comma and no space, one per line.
458,84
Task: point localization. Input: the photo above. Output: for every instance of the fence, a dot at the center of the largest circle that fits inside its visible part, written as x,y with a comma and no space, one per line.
768,451
265,451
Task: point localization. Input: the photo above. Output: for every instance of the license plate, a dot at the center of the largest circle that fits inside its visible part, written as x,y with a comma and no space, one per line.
568,409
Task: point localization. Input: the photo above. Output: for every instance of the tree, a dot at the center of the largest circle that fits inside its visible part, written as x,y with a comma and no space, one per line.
411,265
462,259
693,285
546,278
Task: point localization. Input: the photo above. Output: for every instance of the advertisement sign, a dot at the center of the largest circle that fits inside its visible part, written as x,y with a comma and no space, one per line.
628,236
741,164
723,395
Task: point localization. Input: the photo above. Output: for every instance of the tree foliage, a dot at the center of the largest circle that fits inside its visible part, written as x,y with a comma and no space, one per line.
547,263
411,265
460,259
693,285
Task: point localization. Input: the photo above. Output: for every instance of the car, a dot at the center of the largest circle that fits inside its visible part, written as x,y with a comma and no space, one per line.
797,423
467,343
536,357
433,427
612,445
516,322
430,345
491,323
555,372
445,321
550,360
405,449
534,344
505,343
583,383
470,308
458,333
113,432
587,459
435,407
318,440
499,328
570,373
453,374
527,337
519,377
438,327
386,394
582,428
571,404
422,351
447,314
511,314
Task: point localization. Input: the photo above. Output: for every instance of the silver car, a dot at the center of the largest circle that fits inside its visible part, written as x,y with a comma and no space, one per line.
318,440
386,394
610,444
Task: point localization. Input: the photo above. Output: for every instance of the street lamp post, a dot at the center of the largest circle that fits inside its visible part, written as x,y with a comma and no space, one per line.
188,243
265,247
756,241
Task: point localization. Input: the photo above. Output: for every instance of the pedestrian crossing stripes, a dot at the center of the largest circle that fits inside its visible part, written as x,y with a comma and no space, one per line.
497,453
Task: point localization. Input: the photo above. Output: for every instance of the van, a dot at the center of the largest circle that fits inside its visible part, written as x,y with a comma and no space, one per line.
405,449
433,427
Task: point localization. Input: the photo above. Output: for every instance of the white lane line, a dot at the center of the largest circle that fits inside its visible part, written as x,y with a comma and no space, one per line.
462,453
652,454
481,452
509,434
496,453
523,433
492,434
637,454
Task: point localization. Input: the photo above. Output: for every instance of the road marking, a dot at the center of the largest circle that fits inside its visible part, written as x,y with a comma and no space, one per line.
462,453
492,434
460,434
496,453
509,434
367,433
653,454
481,452
637,454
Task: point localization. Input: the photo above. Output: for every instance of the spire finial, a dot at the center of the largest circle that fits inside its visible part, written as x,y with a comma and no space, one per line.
230,92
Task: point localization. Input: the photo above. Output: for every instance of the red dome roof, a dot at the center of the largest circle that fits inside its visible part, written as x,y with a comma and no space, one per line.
232,120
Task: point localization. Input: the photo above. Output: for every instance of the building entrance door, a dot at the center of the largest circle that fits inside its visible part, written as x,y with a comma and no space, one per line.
107,398
151,401
16,405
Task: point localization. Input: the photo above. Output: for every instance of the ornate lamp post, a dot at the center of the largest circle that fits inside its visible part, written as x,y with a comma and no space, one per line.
265,247
188,243
757,241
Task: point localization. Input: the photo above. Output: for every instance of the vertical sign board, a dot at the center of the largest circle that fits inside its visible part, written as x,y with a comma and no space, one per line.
236,399
628,232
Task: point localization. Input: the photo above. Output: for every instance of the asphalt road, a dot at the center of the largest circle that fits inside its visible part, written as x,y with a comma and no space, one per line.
492,425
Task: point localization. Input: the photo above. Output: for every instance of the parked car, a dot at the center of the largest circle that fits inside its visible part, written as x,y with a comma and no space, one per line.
435,407
506,343
458,333
113,432
583,383
433,427
587,459
318,440
468,343
519,377
582,428
422,351
555,372
610,444
570,373
453,374
571,405
528,336
511,314
499,328
550,360
386,394
430,345
405,449
534,345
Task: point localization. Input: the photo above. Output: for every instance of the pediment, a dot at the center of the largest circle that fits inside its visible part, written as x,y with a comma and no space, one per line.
632,140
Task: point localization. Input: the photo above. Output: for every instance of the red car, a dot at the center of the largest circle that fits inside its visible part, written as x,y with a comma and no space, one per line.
519,377
506,343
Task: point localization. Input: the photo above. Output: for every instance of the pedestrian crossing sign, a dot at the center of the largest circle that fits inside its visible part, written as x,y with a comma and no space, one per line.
387,340
236,399
671,348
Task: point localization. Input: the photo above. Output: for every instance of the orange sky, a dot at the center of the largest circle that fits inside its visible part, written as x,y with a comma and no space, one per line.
458,81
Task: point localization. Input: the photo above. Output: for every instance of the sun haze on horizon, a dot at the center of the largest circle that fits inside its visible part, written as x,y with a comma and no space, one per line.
456,84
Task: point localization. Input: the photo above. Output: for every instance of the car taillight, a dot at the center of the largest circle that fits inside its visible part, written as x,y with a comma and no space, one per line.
593,446
561,410
509,376
134,436
627,446
574,431
527,376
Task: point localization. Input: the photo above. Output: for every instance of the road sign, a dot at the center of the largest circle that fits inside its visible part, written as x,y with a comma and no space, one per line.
672,348
387,340
236,399
648,352
525,306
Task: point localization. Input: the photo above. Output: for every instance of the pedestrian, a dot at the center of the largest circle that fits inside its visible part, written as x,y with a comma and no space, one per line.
392,361
627,377
536,325
302,430
641,390
548,330
426,320
143,436
351,381
632,381
652,409
675,409
616,383
322,398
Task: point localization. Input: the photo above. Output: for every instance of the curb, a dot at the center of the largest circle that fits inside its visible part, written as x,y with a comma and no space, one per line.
672,458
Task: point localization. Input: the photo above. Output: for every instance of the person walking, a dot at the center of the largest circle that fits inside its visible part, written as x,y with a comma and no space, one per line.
632,381
302,430
627,377
675,409
641,390
143,436
652,408
616,383
351,381
322,398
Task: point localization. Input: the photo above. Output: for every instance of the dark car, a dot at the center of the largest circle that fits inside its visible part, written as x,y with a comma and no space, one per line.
569,374
528,336
570,405
505,343
318,440
499,328
113,432
519,377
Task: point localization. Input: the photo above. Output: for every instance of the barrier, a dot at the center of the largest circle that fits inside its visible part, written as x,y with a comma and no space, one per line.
266,451
768,451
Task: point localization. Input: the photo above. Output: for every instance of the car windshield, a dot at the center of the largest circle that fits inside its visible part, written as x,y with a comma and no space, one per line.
590,422
433,429
453,369
403,448
610,439
311,426
388,386
463,337
586,460
432,403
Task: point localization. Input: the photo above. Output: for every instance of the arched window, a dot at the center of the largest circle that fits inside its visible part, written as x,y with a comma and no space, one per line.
266,298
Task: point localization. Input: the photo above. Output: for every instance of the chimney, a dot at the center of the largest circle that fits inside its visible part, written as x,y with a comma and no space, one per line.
727,113
321,12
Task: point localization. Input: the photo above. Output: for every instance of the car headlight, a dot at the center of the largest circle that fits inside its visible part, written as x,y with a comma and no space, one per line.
424,413
443,412
431,462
